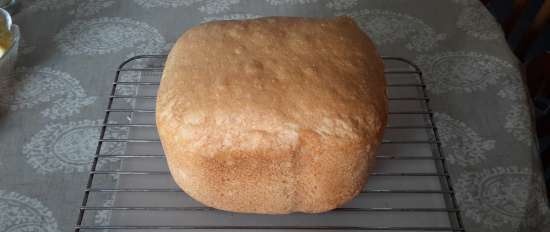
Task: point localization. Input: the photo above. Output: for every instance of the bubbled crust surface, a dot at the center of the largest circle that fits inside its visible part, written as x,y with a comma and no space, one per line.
272,115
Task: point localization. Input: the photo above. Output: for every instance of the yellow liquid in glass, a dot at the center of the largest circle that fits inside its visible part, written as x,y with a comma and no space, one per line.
5,38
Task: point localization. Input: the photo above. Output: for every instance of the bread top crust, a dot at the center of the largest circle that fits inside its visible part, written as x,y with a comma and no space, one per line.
254,84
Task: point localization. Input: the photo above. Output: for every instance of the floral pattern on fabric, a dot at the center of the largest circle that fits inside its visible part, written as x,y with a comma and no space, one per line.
341,4
518,123
388,27
290,2
479,23
32,87
100,36
495,197
231,17
91,7
206,6
462,71
70,147
463,146
19,213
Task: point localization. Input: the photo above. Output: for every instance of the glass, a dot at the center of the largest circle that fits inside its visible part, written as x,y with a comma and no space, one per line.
7,68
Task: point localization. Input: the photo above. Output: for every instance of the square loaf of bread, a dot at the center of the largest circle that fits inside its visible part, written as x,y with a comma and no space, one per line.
272,115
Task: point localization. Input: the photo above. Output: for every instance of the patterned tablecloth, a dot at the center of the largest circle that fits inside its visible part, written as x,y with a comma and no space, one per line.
70,49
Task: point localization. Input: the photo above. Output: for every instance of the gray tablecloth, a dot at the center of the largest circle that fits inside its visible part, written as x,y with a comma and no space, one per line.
70,49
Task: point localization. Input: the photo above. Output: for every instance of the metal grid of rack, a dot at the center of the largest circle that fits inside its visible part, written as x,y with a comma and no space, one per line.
409,190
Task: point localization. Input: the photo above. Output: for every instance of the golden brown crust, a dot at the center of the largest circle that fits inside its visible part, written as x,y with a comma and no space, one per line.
272,115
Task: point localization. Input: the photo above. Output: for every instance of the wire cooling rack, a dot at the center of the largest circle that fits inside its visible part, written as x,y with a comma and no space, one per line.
408,190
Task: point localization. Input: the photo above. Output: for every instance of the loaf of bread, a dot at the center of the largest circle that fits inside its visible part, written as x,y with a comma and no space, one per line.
272,115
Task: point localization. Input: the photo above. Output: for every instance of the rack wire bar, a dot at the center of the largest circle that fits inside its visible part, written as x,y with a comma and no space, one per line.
313,228
153,111
390,98
158,141
201,208
392,157
157,83
407,191
123,172
150,79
